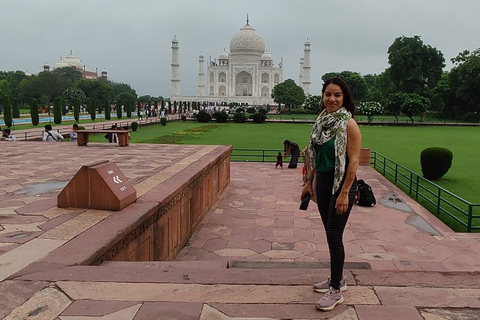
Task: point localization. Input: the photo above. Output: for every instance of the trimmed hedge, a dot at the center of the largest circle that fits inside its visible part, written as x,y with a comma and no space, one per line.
258,118
220,116
435,162
239,117
203,116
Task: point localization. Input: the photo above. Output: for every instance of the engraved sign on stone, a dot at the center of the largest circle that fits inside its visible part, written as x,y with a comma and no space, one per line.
100,185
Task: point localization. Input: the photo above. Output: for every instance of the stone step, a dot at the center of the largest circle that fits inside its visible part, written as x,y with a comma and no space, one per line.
249,273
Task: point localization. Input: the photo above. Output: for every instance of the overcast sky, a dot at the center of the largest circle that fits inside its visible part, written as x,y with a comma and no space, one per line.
132,39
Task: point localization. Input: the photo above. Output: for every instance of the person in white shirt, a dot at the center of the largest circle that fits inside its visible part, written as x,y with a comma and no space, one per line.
73,133
8,136
50,135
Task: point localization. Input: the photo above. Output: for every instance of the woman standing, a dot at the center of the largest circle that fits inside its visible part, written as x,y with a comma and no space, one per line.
334,150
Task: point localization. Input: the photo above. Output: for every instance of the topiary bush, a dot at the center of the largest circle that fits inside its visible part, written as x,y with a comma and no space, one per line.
258,118
435,162
220,116
163,121
239,117
203,116
134,126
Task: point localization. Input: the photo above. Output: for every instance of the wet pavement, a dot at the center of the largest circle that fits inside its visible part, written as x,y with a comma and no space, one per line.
254,256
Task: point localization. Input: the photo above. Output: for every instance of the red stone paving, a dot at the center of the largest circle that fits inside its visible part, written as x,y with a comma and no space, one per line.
257,220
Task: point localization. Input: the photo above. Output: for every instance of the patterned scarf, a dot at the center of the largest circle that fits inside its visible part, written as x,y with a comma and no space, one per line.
327,126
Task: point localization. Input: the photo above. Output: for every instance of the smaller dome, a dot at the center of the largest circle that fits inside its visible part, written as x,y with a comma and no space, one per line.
72,61
224,55
60,64
266,56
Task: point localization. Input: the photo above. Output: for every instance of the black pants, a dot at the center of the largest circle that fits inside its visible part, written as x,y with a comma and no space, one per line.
333,223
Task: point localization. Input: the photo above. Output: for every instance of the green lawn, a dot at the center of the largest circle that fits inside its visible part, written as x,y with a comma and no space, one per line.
401,144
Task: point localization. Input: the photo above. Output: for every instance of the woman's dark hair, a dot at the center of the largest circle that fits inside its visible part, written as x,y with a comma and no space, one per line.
348,101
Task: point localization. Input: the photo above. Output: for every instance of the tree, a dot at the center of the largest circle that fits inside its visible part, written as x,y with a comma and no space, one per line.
51,84
125,97
108,109
95,89
5,90
69,73
379,86
34,112
355,81
313,103
29,90
118,107
76,110
393,104
410,104
7,112
128,108
414,105
441,93
288,93
370,109
14,78
57,110
91,108
120,87
70,94
15,109
414,66
464,81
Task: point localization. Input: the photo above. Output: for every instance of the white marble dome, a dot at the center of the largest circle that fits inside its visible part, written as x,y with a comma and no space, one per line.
247,41
60,64
72,61
266,56
223,55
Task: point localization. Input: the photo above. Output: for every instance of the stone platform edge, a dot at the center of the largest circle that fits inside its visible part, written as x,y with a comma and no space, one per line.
156,226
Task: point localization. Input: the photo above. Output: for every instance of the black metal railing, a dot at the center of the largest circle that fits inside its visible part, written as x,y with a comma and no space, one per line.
255,155
460,214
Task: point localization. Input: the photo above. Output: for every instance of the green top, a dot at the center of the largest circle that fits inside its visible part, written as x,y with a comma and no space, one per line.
325,160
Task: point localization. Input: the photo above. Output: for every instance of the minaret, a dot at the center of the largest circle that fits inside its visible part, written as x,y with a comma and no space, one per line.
300,77
175,69
201,75
306,68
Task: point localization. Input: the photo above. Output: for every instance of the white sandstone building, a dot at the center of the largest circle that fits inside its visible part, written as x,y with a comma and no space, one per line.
246,74
76,64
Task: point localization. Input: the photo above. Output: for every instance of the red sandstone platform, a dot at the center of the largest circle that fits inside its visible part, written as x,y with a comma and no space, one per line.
253,256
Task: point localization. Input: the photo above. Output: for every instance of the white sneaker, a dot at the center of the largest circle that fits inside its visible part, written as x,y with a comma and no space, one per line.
330,300
325,285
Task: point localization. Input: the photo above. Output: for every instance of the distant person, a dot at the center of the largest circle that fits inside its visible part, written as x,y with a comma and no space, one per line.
279,160
7,135
291,148
73,133
50,135
112,137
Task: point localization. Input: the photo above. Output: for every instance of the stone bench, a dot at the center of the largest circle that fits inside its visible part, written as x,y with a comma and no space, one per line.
123,136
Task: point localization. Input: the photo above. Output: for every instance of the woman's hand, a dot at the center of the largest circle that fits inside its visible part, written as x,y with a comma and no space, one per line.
307,188
342,203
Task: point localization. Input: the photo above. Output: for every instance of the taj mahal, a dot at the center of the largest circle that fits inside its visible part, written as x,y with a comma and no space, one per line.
246,74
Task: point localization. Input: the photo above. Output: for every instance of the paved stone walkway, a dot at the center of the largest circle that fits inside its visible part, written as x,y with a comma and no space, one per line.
254,256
